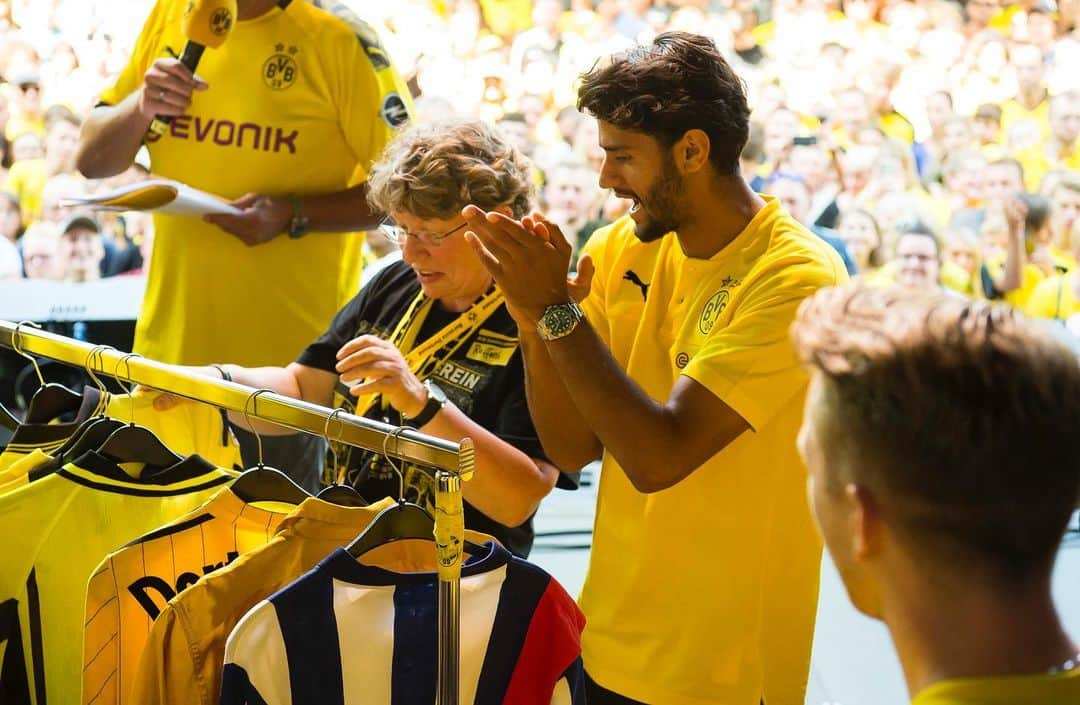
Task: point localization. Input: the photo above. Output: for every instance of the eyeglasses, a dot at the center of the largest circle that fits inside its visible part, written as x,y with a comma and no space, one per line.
916,256
397,234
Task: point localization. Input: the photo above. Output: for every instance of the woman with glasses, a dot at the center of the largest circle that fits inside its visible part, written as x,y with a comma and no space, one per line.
428,342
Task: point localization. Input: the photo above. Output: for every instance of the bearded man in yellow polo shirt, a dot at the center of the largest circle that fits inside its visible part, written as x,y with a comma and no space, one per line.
940,434
678,371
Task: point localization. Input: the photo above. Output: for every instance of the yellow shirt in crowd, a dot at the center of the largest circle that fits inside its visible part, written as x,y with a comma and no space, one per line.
299,102
1030,279
723,322
26,179
1037,163
1054,298
1013,113
20,124
1015,690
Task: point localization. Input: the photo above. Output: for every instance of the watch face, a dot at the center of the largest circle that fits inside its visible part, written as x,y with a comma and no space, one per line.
560,321
436,392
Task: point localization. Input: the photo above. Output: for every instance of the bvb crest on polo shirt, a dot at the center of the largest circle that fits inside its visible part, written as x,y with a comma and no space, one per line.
716,305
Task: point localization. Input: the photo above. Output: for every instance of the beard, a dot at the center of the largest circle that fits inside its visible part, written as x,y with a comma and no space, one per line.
659,207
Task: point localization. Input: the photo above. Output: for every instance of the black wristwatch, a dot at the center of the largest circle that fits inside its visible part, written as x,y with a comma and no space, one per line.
298,226
436,400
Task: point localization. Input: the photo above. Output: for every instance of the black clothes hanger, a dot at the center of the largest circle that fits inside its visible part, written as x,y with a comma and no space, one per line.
93,432
137,444
402,521
344,495
266,484
7,419
263,483
51,400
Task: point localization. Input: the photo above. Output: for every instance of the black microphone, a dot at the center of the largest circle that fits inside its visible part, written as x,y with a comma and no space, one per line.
206,23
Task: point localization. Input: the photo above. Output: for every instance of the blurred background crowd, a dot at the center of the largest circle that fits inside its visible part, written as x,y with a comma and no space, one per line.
935,143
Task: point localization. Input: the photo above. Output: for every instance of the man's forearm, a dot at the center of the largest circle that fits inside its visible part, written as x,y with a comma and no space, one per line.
343,211
645,437
563,431
111,137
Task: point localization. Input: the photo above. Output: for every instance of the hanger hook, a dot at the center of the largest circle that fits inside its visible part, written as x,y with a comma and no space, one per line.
126,362
251,427
326,435
94,357
396,435
15,338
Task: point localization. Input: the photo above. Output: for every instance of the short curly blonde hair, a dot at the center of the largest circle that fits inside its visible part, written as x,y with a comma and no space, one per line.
436,169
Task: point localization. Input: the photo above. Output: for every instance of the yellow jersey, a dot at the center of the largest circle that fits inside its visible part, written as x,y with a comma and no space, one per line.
724,323
26,179
507,17
1040,689
299,102
1013,113
1030,278
1055,298
1063,259
1038,163
20,124
131,586
182,660
187,428
16,475
66,523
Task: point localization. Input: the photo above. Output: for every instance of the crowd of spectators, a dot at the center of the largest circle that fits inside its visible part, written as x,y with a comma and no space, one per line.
935,143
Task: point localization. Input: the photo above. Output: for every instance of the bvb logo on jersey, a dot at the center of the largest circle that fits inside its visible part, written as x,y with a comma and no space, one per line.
713,308
221,21
279,71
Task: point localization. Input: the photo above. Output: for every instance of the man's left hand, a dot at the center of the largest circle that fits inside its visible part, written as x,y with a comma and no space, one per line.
528,260
263,218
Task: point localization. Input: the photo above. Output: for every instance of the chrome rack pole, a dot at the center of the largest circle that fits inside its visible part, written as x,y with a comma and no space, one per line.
409,445
449,485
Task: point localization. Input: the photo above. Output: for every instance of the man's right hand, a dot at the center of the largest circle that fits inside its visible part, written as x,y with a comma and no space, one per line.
167,89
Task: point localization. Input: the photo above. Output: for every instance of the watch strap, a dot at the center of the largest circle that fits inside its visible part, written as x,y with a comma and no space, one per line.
426,414
298,226
545,328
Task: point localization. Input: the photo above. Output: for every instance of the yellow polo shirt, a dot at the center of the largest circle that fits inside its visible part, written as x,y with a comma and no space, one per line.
1053,298
300,101
679,580
1058,689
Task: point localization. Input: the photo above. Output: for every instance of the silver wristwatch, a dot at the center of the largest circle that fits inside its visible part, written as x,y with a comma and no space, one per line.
559,321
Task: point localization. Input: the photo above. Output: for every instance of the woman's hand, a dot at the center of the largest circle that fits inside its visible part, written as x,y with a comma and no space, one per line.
371,365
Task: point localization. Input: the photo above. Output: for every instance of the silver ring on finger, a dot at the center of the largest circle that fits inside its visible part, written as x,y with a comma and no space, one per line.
161,95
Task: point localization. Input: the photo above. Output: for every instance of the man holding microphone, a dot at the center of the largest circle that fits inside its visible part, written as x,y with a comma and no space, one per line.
284,118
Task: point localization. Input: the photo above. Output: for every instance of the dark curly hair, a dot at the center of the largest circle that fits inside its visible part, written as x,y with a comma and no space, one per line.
678,83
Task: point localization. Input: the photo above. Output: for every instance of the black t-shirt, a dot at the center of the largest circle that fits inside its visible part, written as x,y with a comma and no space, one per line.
485,378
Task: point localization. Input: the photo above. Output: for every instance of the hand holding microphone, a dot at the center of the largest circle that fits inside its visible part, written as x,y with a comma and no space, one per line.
169,83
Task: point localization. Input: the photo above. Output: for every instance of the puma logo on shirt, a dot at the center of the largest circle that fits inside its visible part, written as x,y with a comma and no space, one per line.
634,279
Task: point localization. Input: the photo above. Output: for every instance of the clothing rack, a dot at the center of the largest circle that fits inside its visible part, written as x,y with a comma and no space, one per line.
453,461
